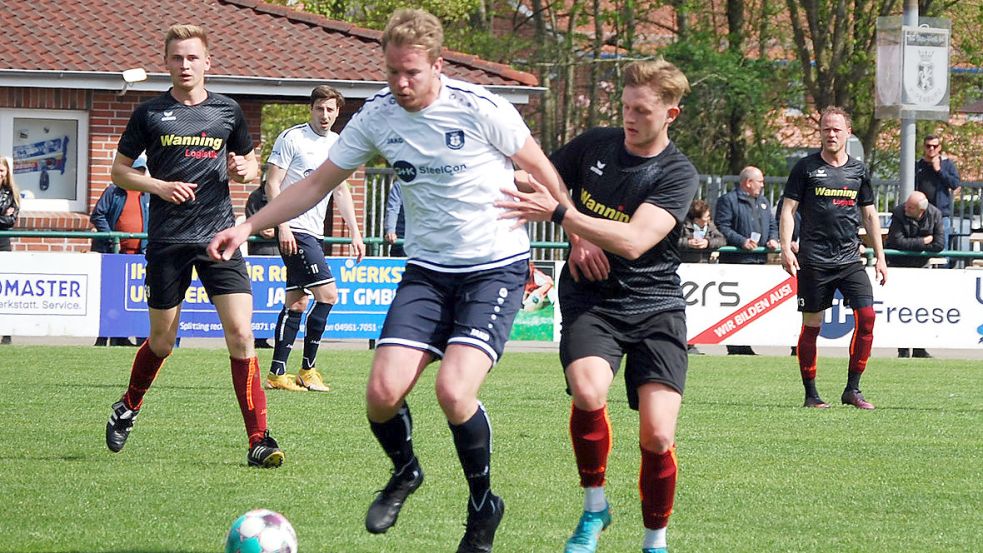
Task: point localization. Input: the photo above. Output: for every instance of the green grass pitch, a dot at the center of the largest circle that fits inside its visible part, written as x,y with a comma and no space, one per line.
757,472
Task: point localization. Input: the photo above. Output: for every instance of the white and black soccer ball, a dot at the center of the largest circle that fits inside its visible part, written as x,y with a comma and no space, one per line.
261,531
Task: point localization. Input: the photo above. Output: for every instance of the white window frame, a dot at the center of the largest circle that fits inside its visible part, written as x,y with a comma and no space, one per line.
81,150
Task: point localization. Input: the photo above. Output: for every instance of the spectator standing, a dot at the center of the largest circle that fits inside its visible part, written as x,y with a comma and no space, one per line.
394,222
936,176
121,210
832,191
9,209
256,201
916,226
700,237
745,218
267,246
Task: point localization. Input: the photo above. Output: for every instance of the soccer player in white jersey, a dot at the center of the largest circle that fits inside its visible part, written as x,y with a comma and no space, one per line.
297,152
452,145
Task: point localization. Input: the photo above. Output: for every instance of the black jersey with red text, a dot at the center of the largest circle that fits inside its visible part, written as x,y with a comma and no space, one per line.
608,182
829,199
188,144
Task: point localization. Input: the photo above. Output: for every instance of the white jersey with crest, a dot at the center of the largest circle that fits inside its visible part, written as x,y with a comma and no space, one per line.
452,160
299,151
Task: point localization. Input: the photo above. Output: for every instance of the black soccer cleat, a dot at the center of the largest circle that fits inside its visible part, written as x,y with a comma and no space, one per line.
482,523
385,508
265,453
119,426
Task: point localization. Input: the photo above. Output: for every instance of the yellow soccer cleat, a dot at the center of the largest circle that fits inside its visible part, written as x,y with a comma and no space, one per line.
282,382
311,379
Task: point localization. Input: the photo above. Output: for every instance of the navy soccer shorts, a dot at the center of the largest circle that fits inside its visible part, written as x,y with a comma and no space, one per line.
307,268
434,309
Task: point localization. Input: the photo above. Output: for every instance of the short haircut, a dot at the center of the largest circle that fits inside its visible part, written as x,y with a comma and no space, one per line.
931,137
416,28
923,203
184,32
835,110
668,82
327,92
697,209
748,172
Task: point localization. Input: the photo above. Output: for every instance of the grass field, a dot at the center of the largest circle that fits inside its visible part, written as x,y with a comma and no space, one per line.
758,473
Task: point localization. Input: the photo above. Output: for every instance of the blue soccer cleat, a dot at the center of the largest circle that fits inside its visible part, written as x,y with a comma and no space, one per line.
655,550
584,538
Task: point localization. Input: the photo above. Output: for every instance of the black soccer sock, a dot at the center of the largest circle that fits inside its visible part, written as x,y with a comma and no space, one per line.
853,380
810,386
473,442
396,437
287,326
317,319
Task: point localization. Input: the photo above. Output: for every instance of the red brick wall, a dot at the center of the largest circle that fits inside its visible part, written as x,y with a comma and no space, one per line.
108,115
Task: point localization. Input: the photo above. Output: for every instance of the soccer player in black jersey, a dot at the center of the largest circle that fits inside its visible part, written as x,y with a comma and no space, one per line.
831,192
632,189
195,140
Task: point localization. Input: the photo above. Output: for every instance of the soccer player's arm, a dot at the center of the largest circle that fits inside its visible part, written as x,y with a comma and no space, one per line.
346,206
293,201
872,223
585,257
274,180
648,226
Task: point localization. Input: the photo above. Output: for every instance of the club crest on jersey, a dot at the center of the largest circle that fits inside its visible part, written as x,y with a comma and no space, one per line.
454,139
168,116
599,168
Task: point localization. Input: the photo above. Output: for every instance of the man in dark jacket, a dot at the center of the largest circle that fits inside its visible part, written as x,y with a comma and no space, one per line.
108,215
123,211
936,176
916,226
745,218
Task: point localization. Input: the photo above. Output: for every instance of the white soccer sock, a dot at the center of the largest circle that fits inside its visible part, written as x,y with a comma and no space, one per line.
594,500
654,538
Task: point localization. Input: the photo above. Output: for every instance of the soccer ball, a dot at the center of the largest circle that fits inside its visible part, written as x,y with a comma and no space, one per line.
261,531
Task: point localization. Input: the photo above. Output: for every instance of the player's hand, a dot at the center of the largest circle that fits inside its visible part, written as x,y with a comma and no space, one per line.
226,243
357,249
880,268
390,237
288,244
587,260
177,192
238,167
537,205
790,262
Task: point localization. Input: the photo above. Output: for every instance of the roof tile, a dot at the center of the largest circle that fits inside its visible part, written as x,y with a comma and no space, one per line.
248,37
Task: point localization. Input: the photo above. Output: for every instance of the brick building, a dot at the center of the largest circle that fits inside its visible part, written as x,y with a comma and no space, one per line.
64,101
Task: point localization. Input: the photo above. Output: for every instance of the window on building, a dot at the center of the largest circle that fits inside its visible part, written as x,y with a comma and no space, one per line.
51,156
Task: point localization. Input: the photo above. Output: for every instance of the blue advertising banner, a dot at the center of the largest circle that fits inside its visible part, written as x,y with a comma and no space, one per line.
365,291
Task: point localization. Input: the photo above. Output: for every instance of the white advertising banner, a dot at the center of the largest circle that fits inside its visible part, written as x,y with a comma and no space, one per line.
49,294
756,305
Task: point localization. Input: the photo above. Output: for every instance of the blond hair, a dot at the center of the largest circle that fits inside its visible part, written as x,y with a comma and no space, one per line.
835,110
664,78
416,28
8,181
184,32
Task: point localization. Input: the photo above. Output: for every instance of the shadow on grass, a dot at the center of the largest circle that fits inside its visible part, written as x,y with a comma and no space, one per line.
834,406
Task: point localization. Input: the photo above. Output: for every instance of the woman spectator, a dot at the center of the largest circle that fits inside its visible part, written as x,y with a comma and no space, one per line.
9,208
700,237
